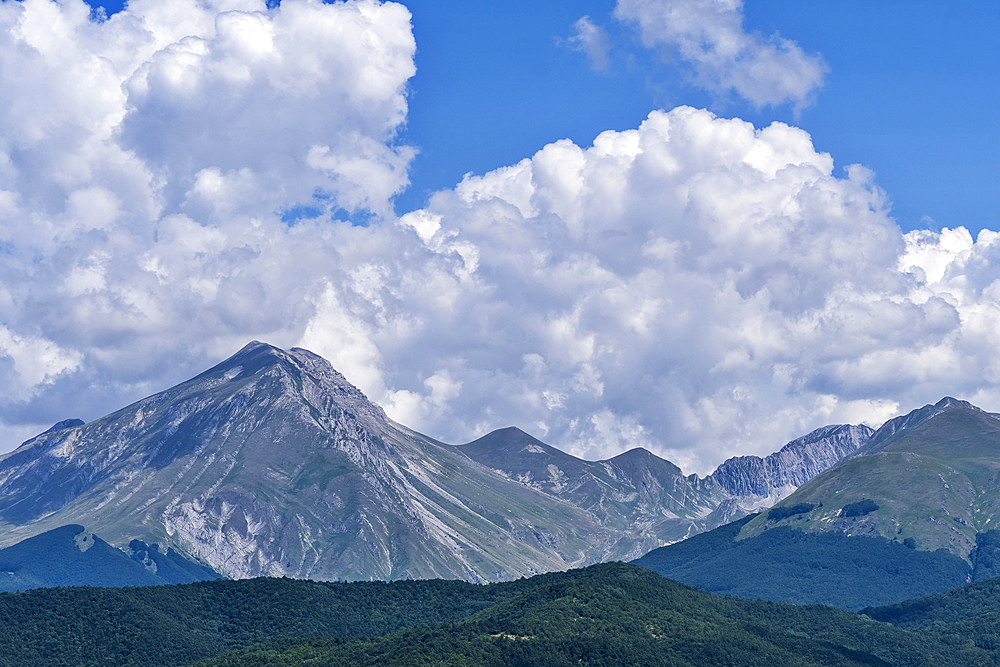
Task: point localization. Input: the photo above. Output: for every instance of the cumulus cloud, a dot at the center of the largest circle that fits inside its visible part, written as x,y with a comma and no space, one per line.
709,35
694,286
697,286
178,180
173,180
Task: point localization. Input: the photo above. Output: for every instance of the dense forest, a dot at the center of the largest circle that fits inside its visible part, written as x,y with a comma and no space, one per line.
72,556
610,614
787,565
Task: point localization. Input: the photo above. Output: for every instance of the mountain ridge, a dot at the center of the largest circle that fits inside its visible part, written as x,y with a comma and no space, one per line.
346,494
272,463
934,483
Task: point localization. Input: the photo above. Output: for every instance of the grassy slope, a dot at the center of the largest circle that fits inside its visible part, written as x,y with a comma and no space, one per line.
937,485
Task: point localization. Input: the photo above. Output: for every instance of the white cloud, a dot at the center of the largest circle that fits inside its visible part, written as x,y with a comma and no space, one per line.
170,182
591,40
709,35
30,363
146,163
697,286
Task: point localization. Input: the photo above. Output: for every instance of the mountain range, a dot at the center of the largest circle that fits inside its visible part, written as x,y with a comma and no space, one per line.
913,511
271,463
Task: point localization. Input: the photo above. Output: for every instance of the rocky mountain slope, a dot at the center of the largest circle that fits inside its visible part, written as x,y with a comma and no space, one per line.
760,482
271,463
646,499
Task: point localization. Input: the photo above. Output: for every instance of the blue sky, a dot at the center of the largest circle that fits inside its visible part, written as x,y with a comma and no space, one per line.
696,281
912,92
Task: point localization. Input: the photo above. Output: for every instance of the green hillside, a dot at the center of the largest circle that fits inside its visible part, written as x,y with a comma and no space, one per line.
798,567
914,516
970,612
174,625
934,487
611,614
615,614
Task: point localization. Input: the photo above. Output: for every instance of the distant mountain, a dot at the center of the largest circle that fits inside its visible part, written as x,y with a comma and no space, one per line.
792,566
933,485
896,428
610,614
649,498
915,514
645,499
761,482
271,463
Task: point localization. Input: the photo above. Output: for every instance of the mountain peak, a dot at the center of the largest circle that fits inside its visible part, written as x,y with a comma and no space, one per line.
497,448
894,429
775,476
58,426
325,383
634,454
949,403
640,457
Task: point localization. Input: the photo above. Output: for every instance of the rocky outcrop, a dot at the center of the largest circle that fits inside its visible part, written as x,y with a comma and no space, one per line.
271,463
757,482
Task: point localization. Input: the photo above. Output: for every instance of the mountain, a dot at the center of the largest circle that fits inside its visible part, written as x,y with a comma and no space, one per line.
610,614
934,485
645,499
761,482
271,463
796,567
915,514
896,428
648,499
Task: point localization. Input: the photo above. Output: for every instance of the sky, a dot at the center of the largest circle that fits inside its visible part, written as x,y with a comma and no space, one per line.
704,227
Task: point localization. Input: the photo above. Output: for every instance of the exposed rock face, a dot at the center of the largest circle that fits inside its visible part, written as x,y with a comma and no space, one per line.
271,463
760,482
645,499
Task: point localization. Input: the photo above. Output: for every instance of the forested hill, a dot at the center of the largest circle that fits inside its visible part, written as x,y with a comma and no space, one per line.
613,614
